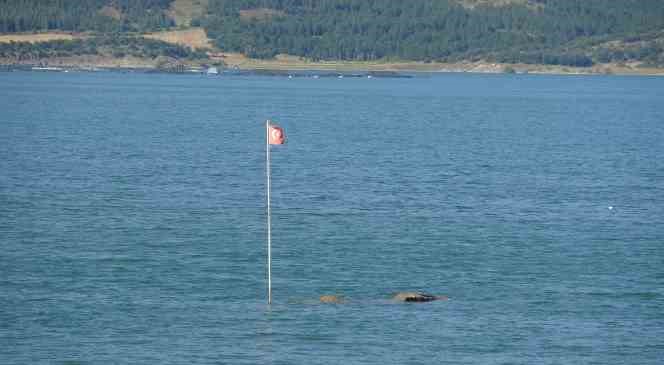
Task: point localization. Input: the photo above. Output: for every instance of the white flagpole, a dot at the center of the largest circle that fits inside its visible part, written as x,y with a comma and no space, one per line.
269,233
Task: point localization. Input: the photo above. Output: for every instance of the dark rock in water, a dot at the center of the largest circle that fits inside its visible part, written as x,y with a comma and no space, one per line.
417,297
332,299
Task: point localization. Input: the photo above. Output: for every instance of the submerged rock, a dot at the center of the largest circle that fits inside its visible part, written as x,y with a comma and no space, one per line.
417,297
332,299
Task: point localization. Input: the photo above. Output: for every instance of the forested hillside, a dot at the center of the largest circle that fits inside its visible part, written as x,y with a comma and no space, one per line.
558,32
570,32
111,26
84,15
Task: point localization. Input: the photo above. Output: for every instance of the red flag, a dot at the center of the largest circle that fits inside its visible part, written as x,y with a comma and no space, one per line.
275,135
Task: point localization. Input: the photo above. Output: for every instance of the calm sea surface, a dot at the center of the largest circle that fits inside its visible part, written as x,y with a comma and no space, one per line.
133,225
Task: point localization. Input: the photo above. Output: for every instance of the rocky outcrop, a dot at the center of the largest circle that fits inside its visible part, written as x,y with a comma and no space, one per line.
416,297
337,299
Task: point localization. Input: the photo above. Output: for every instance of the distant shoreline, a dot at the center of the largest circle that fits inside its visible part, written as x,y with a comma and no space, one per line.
196,38
295,66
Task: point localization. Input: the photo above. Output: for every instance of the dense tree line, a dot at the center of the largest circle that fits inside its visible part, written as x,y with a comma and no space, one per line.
541,31
113,46
83,15
562,32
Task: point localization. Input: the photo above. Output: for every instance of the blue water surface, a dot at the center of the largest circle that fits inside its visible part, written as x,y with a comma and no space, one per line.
133,224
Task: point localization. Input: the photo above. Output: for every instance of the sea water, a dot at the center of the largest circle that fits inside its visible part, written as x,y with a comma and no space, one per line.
133,219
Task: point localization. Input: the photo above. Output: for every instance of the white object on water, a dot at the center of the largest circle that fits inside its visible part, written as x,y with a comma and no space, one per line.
610,207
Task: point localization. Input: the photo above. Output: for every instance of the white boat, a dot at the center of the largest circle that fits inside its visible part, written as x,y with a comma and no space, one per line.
46,68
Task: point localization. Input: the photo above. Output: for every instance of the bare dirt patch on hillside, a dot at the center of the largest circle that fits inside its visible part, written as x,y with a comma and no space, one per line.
194,38
183,11
471,4
260,14
36,37
111,12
